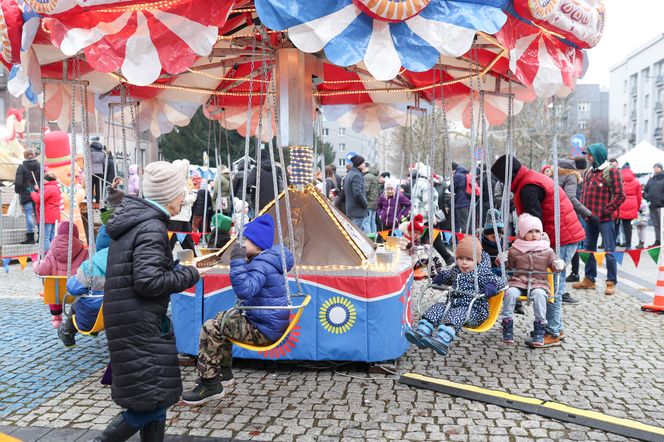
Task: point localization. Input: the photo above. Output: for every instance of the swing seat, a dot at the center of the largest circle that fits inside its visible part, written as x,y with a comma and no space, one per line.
96,328
293,322
495,304
551,299
55,289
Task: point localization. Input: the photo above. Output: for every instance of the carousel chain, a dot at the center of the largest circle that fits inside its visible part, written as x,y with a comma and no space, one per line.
87,170
72,177
42,158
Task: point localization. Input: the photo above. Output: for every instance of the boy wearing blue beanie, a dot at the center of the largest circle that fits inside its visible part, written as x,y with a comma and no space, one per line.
257,279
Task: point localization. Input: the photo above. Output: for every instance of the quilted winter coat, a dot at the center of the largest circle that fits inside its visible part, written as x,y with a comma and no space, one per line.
140,278
261,282
629,209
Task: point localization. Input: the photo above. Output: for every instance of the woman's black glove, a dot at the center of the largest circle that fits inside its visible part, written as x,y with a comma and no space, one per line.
592,219
238,252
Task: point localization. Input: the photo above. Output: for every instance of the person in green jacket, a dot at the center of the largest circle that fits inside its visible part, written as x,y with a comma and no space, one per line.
372,187
222,188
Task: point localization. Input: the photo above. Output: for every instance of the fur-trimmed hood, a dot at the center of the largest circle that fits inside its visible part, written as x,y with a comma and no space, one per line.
568,167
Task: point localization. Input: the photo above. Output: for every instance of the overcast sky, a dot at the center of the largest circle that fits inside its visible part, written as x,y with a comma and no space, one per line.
629,25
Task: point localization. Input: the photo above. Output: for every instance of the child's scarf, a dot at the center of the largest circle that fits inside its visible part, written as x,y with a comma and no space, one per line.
524,246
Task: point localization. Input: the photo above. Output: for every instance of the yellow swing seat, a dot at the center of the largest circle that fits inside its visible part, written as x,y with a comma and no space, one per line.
551,299
291,326
495,304
96,328
55,289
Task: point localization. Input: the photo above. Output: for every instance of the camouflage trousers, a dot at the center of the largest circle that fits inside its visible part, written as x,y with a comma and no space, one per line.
215,350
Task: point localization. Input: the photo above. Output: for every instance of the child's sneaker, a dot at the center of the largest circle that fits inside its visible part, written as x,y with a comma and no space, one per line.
206,390
538,334
508,331
56,321
227,377
441,342
424,329
69,339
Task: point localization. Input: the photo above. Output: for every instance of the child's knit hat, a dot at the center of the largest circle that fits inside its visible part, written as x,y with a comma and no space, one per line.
526,223
465,248
416,224
488,222
261,231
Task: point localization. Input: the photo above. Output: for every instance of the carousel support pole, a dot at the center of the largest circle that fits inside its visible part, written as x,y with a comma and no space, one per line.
294,72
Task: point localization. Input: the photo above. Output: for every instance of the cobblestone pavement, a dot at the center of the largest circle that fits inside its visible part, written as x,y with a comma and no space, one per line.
610,362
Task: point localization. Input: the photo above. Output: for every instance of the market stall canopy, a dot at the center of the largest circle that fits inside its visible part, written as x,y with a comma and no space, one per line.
642,157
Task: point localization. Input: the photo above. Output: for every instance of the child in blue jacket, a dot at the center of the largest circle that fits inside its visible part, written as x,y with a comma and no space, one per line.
451,316
257,279
89,281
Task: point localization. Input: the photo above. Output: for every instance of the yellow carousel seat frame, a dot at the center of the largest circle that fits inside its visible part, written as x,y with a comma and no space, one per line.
292,323
55,289
549,277
99,320
495,304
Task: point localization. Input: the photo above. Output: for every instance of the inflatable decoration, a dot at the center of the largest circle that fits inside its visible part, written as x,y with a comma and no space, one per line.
11,148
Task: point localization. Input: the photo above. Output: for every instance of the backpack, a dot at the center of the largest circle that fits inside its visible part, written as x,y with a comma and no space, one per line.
469,186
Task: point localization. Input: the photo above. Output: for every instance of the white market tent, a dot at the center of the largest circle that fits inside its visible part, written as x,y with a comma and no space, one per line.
642,157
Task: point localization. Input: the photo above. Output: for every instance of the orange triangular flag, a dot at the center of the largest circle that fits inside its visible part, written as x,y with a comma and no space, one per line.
635,255
23,260
436,232
170,234
599,257
384,234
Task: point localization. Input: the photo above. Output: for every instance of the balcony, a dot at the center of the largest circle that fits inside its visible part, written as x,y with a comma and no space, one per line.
660,81
658,133
658,107
634,91
632,116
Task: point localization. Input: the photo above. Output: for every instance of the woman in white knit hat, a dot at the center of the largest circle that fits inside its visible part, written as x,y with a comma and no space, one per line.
140,277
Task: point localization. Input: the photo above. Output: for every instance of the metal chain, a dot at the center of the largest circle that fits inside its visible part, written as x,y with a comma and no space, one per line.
123,131
42,157
72,172
87,168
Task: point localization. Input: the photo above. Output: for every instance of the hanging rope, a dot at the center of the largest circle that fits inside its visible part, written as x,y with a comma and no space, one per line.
42,159
87,169
72,174
448,149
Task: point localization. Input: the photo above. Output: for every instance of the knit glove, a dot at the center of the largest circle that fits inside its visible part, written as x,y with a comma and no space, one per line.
490,289
238,252
594,220
502,257
558,265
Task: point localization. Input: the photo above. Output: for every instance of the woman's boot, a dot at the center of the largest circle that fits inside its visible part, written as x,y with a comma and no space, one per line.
153,432
118,430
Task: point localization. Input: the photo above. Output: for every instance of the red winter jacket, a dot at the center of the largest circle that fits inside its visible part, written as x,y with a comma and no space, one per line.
52,201
571,231
629,209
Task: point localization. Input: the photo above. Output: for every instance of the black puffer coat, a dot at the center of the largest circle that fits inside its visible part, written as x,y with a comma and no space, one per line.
140,277
24,183
266,186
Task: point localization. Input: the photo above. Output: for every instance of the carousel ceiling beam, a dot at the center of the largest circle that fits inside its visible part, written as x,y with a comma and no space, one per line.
226,52
252,74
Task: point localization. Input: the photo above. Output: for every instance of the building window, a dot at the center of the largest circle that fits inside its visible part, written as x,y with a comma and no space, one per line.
342,162
660,120
645,127
625,110
342,131
326,131
646,76
625,86
646,101
584,106
342,146
583,125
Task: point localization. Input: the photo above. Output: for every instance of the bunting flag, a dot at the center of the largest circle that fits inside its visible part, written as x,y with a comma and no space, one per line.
397,233
599,257
23,260
436,232
654,254
447,236
170,235
635,255
459,236
384,234
33,257
181,237
584,257
5,264
196,237
619,257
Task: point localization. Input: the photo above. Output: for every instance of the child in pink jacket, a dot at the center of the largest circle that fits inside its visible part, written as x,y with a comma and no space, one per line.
55,262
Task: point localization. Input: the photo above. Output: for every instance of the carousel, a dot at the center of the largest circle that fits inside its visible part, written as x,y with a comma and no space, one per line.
271,69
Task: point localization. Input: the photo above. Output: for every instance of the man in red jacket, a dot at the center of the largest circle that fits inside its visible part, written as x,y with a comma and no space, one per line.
534,194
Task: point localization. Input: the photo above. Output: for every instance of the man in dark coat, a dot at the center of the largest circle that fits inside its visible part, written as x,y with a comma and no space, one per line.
461,199
140,278
98,159
355,195
267,193
654,194
27,179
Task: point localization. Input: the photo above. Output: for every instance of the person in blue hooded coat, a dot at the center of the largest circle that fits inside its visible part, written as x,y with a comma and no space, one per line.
257,279
89,284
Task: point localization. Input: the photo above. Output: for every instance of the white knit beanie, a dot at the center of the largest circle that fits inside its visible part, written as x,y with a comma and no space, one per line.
163,182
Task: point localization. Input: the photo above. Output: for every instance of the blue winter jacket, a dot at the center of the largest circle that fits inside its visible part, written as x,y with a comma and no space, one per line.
461,198
261,282
465,282
89,280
